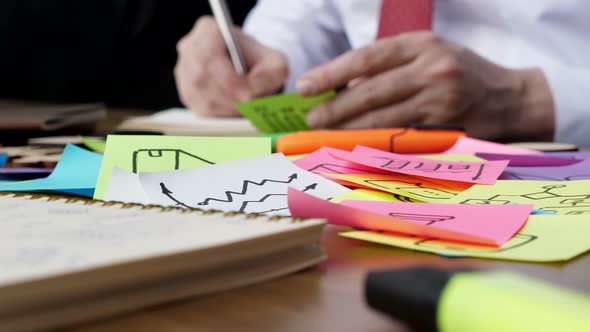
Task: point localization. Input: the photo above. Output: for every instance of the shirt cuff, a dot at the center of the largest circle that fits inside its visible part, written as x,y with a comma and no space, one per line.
570,88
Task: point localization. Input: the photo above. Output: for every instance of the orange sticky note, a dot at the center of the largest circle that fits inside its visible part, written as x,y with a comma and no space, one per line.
408,186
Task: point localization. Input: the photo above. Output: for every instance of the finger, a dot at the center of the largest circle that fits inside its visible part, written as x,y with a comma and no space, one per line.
269,75
211,103
268,67
203,41
390,87
204,98
399,115
367,61
234,87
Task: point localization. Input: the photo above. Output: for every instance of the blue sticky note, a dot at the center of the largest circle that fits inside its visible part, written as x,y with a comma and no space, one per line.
3,159
75,174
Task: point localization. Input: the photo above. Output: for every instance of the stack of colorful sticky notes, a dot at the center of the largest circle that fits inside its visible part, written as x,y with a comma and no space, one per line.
469,212
74,174
478,199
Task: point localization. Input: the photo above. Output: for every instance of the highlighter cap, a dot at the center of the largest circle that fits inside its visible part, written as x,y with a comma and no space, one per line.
408,295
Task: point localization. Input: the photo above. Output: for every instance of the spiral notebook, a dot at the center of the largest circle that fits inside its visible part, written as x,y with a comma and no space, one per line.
67,260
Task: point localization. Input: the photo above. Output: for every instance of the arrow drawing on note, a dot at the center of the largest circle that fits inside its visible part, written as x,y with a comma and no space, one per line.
245,204
167,192
230,194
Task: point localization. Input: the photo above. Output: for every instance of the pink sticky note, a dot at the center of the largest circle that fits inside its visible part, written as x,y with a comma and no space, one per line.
522,160
469,172
495,222
322,163
307,206
468,145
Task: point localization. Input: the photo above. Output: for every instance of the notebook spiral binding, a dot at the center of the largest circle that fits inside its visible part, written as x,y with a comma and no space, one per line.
161,208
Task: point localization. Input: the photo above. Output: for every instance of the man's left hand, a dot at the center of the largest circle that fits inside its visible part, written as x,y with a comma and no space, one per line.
421,78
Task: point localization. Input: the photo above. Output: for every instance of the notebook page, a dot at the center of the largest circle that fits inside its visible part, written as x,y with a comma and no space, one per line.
41,238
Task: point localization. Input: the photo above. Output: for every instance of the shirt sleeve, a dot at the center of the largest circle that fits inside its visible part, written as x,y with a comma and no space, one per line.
308,32
570,87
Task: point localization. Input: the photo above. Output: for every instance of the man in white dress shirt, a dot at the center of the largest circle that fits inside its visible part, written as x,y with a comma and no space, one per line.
505,69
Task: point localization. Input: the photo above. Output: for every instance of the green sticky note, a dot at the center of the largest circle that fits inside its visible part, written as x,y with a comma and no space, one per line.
166,153
281,113
96,145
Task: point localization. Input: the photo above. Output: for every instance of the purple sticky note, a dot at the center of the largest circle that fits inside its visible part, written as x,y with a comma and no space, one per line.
530,160
578,171
571,155
24,173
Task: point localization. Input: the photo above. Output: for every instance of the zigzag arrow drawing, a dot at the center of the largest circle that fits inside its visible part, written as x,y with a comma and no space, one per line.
168,193
267,196
230,194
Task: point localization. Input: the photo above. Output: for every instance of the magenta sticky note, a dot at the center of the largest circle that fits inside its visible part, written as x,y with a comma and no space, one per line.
469,172
535,160
468,145
495,222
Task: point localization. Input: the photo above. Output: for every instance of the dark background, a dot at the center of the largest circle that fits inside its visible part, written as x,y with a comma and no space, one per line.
121,52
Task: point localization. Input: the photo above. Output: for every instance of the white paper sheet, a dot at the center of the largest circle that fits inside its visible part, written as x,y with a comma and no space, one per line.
256,185
124,186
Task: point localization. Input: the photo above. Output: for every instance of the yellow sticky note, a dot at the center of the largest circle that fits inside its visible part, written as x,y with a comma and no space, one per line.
371,195
453,157
166,153
560,197
408,186
542,239
296,156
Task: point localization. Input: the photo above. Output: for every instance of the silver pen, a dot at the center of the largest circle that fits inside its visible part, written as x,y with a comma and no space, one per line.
225,23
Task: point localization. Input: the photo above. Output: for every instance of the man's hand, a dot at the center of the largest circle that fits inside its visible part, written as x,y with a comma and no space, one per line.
421,78
206,79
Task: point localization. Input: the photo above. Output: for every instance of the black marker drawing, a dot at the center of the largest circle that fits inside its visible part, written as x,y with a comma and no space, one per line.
339,169
507,175
401,198
229,195
283,120
393,137
519,240
576,204
168,193
248,206
425,219
432,167
416,189
173,158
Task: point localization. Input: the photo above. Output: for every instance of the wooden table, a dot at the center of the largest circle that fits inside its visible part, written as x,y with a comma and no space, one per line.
328,297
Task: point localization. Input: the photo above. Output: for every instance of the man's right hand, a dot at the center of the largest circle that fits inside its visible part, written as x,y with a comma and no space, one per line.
206,79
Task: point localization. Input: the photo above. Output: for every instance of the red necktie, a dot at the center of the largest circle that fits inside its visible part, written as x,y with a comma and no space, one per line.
399,16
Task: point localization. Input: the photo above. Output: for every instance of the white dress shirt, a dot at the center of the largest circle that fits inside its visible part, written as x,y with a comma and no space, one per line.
551,34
